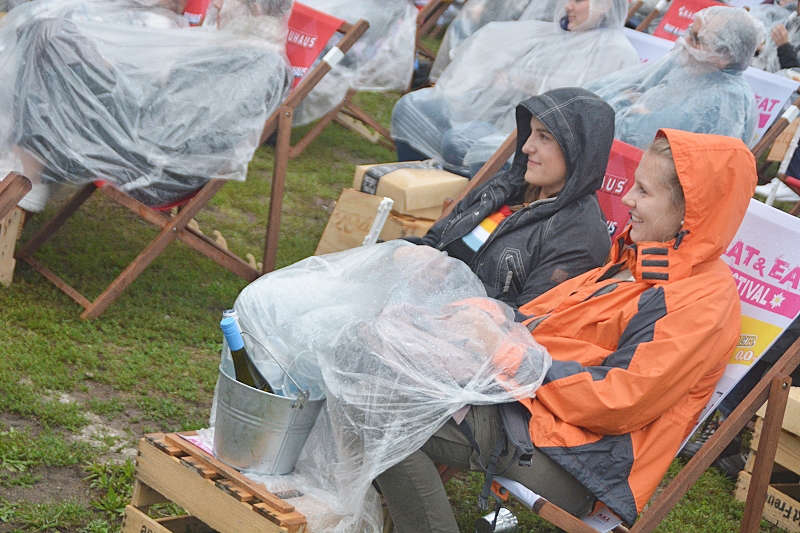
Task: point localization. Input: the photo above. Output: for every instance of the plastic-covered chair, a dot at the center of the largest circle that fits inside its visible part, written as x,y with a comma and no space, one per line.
175,226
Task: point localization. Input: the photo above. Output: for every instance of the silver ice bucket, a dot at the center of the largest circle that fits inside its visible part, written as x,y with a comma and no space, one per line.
259,432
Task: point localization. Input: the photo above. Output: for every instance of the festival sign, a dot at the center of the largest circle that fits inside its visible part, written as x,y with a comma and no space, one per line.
771,91
679,17
309,32
767,275
622,163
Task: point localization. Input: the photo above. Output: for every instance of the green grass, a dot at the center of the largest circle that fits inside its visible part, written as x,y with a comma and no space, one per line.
149,363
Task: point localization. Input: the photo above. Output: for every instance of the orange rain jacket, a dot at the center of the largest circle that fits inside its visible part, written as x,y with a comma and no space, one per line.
635,362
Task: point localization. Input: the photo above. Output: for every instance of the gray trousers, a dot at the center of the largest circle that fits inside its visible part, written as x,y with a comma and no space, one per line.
415,495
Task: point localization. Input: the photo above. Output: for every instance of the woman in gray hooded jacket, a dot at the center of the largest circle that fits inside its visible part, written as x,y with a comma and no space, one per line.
539,223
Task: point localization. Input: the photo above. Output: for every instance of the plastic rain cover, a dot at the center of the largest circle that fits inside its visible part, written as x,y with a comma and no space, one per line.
382,60
121,90
470,111
771,15
693,89
402,336
473,16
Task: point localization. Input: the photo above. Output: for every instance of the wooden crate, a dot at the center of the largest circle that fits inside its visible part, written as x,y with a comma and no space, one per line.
216,497
782,506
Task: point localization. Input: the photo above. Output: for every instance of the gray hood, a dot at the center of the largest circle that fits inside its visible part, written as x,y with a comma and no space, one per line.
583,125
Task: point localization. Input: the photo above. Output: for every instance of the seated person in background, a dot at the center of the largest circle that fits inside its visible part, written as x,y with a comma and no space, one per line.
473,16
697,87
466,116
780,47
127,93
637,346
538,223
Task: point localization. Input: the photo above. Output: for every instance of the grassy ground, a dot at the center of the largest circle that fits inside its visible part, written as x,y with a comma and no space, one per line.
75,395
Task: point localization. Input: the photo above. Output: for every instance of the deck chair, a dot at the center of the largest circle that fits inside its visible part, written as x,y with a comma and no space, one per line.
775,384
176,226
12,189
353,117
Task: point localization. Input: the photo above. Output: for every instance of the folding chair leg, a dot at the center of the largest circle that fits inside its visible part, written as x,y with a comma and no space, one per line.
315,131
52,225
278,184
765,455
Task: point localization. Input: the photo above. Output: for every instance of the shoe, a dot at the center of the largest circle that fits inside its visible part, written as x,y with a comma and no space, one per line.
697,440
731,465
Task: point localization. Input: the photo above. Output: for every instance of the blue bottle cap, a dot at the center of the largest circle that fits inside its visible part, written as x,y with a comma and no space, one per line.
232,333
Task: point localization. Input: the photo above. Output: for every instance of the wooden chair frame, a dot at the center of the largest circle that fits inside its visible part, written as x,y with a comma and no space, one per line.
12,189
773,386
347,111
176,227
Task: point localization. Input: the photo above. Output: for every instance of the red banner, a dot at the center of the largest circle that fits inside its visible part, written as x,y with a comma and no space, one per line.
309,32
622,163
679,17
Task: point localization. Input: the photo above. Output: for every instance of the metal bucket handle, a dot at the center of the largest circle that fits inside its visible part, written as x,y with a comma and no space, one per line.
303,394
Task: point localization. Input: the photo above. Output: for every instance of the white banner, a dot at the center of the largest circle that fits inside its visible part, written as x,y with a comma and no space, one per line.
772,91
766,266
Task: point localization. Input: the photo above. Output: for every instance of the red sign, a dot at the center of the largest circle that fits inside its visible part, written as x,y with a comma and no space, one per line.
679,17
309,32
195,11
622,163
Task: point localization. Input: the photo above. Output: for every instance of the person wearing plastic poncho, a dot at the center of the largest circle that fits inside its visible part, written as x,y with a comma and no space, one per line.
782,44
698,86
638,346
464,118
381,60
473,16
398,338
124,91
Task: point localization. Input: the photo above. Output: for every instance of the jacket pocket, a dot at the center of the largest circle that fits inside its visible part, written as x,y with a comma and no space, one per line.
510,272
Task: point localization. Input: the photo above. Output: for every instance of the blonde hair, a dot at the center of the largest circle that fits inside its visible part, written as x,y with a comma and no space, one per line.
660,147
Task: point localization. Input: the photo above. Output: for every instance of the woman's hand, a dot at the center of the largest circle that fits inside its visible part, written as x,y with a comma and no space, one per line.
779,35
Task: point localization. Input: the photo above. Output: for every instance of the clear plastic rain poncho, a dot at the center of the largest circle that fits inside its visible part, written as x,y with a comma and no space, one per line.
399,337
770,15
465,117
382,60
473,16
698,86
122,90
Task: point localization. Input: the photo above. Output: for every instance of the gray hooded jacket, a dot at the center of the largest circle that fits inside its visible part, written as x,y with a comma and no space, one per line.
553,239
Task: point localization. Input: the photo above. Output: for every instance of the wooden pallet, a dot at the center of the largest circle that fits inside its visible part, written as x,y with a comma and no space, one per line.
216,497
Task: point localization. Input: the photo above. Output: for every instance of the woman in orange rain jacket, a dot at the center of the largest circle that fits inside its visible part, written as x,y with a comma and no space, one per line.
637,346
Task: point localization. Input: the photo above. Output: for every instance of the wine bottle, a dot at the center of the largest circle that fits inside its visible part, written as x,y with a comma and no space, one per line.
246,370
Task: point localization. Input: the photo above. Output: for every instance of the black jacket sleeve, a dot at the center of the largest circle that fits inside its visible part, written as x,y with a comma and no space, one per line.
787,56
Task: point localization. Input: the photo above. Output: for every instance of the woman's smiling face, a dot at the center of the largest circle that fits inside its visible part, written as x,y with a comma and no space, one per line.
654,215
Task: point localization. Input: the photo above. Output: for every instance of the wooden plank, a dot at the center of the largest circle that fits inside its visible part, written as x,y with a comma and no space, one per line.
258,490
135,521
779,508
10,227
144,496
234,490
788,452
791,416
782,142
199,496
350,221
765,456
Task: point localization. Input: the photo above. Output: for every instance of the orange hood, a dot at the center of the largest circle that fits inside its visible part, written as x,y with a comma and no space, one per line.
717,174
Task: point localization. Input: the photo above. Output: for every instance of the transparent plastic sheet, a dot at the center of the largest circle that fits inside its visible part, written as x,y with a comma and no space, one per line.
475,97
401,336
121,90
771,15
382,60
473,16
693,89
